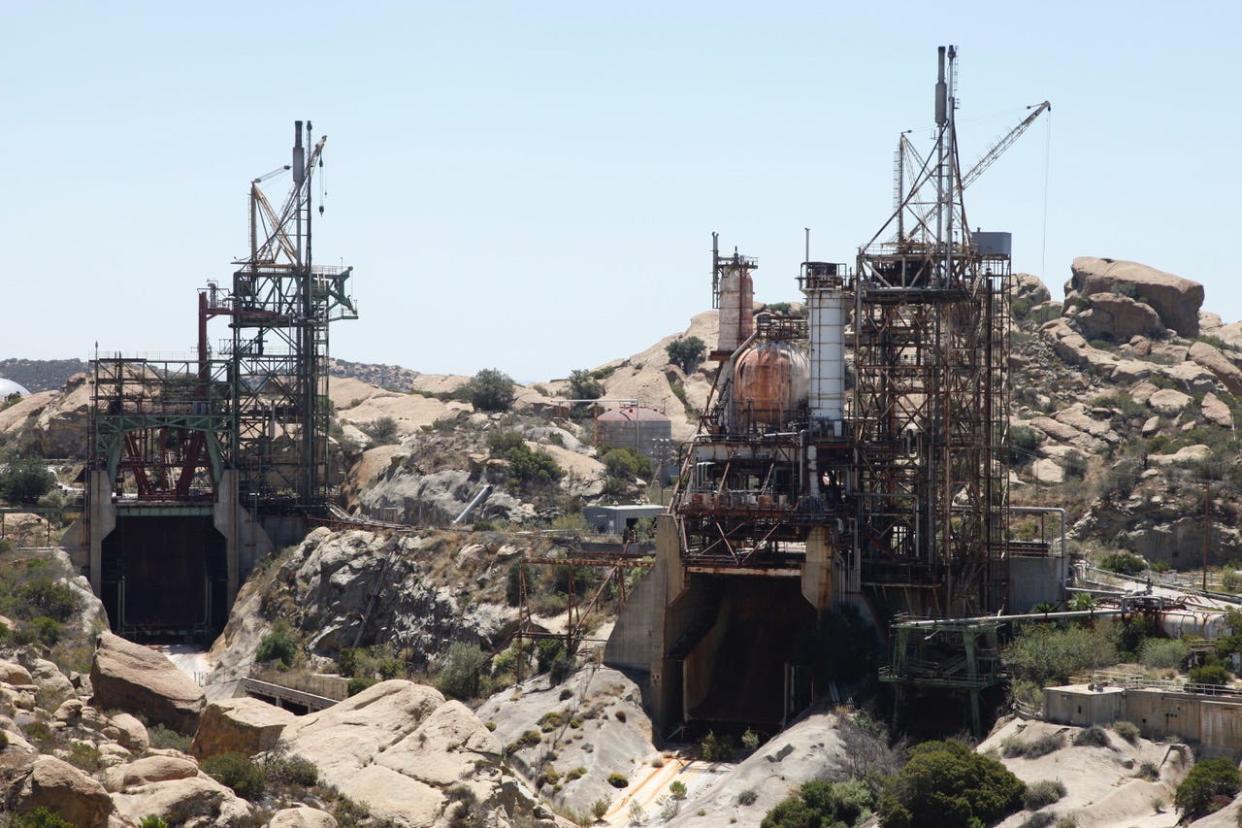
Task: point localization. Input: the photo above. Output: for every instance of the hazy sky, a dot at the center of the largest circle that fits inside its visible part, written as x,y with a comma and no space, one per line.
532,186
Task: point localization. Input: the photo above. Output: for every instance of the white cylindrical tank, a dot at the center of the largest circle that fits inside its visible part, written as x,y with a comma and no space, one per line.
825,301
736,307
1183,623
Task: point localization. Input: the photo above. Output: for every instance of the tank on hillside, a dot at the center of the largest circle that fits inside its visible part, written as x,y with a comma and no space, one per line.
770,383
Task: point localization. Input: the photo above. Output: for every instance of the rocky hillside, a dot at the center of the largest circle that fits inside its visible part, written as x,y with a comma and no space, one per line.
1125,400
37,375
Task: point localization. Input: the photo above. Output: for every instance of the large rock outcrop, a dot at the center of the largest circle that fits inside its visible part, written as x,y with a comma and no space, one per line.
1177,300
135,679
1118,318
242,725
62,788
399,747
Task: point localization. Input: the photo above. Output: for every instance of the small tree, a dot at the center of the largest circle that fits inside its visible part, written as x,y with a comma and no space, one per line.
490,390
383,432
463,668
584,386
948,785
686,353
25,481
1208,783
278,645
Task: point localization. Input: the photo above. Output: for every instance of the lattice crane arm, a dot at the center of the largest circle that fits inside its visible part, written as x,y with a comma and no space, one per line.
998,149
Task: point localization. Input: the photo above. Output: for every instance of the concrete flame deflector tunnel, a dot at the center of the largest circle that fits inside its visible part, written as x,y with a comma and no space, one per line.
739,636
165,576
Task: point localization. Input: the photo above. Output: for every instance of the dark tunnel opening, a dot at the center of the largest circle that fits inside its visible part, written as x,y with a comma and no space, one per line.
165,578
742,661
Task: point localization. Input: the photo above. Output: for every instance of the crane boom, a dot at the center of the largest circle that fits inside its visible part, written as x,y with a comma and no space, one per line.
1003,144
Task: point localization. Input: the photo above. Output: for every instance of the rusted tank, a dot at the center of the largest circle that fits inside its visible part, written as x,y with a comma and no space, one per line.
770,382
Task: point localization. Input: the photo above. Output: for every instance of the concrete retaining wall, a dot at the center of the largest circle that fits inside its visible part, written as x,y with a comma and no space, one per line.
1214,723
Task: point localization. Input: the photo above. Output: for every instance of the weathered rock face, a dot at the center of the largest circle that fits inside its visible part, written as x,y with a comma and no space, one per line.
63,789
134,679
398,746
1213,360
242,725
194,802
1168,402
147,770
1177,300
1116,317
301,817
601,727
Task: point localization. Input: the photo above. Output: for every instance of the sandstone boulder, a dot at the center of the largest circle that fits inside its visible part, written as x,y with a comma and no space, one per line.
397,746
1047,471
301,817
242,725
62,788
1215,411
1116,317
50,679
129,677
1175,299
1212,359
1187,454
13,673
1168,401
1029,287
147,770
193,802
128,731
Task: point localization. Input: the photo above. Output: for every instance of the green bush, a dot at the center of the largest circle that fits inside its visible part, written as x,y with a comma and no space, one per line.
55,599
1215,674
237,772
528,467
1022,444
947,785
84,756
677,789
463,668
1127,730
1164,652
1203,788
383,432
713,748
1124,563
25,481
626,464
490,390
1046,654
47,630
277,645
1040,746
584,386
686,353
1043,793
1042,819
40,818
747,798
153,822
598,808
290,770
822,803
1094,736
358,683
165,738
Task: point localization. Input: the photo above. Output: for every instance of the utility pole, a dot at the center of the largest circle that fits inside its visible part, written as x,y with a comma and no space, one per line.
1207,527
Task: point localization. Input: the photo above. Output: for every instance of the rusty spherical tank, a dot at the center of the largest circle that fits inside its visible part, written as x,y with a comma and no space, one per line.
770,382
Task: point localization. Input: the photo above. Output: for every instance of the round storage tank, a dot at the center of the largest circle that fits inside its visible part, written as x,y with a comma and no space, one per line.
8,388
644,430
770,382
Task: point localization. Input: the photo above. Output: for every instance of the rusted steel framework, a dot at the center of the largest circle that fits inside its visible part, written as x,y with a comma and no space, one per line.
928,424
613,569
160,427
258,405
